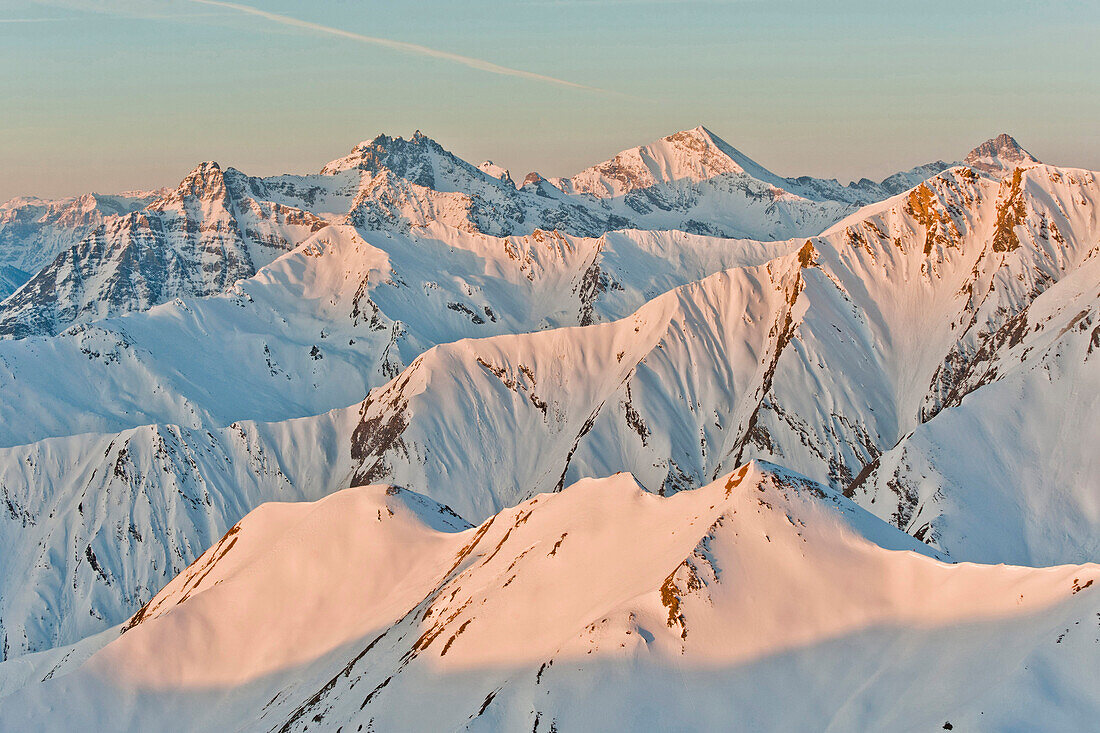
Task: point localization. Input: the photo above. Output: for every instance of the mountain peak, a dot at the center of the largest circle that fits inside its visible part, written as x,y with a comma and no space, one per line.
383,151
695,154
409,159
206,180
998,155
699,132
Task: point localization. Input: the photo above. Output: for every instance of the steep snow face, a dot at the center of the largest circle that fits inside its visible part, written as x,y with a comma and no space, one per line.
538,398
999,155
1019,433
837,353
11,278
313,331
596,607
34,231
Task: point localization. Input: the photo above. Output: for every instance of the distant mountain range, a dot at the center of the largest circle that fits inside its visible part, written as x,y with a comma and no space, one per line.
99,256
647,447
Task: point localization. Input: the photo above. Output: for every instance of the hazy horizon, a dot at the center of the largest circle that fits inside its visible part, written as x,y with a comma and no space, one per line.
112,95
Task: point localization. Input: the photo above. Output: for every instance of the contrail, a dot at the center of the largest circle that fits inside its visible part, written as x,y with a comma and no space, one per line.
414,48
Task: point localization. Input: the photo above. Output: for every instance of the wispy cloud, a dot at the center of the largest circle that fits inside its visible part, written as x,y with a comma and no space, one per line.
33,20
413,48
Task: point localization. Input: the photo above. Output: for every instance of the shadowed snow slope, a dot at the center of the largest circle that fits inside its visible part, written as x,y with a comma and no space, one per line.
602,607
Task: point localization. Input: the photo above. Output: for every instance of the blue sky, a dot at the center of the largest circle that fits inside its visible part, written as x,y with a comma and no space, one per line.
106,95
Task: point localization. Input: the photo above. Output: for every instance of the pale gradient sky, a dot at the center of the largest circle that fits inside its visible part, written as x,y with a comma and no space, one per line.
106,95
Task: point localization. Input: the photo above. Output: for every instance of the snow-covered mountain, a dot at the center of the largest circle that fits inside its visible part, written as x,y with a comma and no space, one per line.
343,313
837,353
213,230
99,256
602,607
844,353
692,157
34,231
922,363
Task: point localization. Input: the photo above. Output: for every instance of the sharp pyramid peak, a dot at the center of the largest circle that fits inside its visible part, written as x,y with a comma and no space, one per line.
699,131
708,144
999,154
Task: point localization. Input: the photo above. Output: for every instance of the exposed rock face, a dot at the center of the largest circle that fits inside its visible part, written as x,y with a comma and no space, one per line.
33,231
193,242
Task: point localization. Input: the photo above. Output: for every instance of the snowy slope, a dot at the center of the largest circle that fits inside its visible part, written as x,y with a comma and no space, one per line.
343,313
11,278
1023,437
932,355
823,358
316,330
94,525
835,355
601,607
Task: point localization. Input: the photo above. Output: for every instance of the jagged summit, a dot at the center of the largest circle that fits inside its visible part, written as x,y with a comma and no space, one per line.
406,158
207,178
999,154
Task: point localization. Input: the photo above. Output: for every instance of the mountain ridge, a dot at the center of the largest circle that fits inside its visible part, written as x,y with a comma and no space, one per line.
645,589
707,187
924,364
